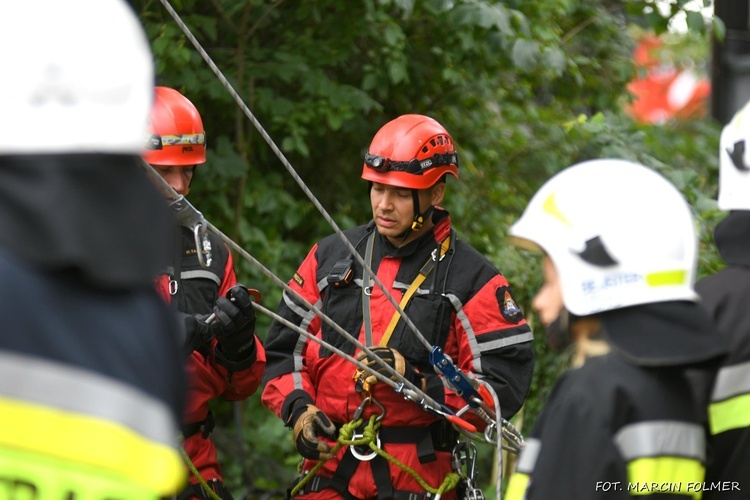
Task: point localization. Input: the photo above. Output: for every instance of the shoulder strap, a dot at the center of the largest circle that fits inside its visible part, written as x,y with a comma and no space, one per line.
423,273
367,290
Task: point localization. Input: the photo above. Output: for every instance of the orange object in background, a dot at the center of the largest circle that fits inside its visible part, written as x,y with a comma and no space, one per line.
666,92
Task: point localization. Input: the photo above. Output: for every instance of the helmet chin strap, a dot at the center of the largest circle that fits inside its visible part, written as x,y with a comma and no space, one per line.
419,218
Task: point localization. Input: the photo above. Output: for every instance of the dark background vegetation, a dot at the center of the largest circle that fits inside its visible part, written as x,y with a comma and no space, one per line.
526,88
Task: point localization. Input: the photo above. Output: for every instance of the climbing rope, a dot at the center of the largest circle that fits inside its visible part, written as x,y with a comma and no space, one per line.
197,474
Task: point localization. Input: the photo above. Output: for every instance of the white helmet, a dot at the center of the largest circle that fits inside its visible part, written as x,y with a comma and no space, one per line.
78,76
734,162
618,233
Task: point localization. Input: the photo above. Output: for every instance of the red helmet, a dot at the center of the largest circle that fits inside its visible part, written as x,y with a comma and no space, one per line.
412,151
176,135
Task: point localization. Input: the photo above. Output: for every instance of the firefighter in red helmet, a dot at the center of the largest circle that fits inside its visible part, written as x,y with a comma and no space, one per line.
225,358
464,306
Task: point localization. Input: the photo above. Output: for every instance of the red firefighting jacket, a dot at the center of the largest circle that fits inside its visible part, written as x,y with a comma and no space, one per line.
465,306
198,289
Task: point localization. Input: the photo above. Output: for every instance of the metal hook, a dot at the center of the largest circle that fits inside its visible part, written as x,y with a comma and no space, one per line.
364,455
202,245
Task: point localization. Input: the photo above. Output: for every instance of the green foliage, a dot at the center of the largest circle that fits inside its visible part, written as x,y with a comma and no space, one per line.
525,88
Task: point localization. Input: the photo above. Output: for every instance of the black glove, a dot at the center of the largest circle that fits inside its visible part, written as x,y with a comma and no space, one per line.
234,328
198,334
395,360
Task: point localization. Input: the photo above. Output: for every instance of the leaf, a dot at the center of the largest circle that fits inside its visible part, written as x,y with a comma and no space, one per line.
397,72
720,29
695,21
405,5
555,59
525,53
392,34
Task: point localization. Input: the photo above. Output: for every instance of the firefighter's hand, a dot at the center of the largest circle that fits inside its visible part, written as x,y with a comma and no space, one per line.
234,325
198,334
309,422
392,358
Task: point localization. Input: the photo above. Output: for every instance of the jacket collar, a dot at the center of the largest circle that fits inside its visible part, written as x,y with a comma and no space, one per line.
664,334
435,235
732,237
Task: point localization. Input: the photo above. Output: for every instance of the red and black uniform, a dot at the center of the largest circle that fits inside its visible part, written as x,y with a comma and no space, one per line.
210,376
464,306
725,296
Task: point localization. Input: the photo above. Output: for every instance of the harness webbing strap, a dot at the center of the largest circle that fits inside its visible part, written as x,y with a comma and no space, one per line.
366,320
423,274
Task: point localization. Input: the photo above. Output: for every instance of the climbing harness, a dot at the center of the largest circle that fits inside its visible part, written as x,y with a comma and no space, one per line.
359,435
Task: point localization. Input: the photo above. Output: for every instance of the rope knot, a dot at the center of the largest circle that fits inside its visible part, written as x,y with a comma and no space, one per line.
346,433
370,432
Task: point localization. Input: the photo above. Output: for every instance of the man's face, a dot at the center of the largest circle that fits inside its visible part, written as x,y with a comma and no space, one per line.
178,177
393,209
548,301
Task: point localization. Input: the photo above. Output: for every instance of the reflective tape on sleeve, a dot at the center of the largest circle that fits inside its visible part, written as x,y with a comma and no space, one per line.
517,486
730,400
730,414
529,455
519,481
731,381
661,438
665,471
663,452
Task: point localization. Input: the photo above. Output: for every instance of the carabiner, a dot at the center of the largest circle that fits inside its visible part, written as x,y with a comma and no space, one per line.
202,245
366,400
364,455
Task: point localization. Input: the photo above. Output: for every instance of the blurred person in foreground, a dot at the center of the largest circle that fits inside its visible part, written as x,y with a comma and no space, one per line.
620,253
91,380
725,295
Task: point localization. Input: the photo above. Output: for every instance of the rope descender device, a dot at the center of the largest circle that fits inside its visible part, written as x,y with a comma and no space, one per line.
188,216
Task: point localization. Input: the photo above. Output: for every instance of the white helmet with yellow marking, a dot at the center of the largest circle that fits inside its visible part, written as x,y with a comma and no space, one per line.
618,233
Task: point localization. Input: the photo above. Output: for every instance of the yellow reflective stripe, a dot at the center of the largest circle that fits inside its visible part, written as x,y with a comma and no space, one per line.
666,278
730,414
30,476
665,470
517,486
550,206
92,442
